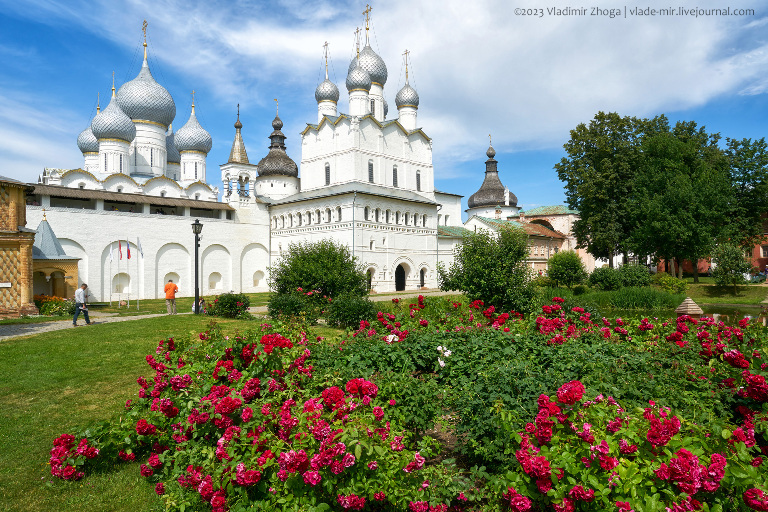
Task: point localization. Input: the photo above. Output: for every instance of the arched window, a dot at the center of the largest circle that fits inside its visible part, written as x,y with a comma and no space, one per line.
290,220
318,217
387,217
282,221
397,217
152,157
439,219
338,213
327,215
372,245
394,175
195,170
407,218
121,163
327,174
376,215
105,162
446,220
418,181
373,107
119,189
424,220
162,194
367,213
370,171
300,219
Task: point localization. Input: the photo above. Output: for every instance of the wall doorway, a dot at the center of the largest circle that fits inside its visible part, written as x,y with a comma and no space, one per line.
400,278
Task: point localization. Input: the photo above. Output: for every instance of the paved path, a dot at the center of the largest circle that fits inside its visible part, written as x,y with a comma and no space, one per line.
17,330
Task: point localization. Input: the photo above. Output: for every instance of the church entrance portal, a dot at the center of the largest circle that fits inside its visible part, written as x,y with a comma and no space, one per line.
400,278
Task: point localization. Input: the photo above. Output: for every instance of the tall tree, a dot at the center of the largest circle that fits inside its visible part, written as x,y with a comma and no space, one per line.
602,160
748,162
681,194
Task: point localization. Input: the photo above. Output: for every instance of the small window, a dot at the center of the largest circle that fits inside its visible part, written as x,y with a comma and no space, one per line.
424,220
373,107
446,220
367,213
407,218
197,196
397,218
387,217
121,163
376,215
338,213
82,186
370,171
418,181
105,162
327,174
119,189
765,251
195,170
394,175
152,157
162,194
372,245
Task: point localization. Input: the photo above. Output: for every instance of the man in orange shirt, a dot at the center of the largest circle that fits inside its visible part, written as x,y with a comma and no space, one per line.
170,296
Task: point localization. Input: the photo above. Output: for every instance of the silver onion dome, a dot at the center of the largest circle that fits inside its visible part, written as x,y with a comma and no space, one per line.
174,157
357,79
112,123
87,141
327,91
386,108
144,99
407,97
372,63
192,136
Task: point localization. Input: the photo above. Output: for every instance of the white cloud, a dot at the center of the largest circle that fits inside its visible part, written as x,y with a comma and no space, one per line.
526,80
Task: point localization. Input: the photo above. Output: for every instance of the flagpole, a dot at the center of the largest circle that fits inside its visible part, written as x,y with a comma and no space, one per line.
109,279
128,270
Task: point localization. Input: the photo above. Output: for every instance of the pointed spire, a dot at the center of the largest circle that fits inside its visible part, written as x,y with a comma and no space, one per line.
98,102
193,102
113,84
357,44
238,155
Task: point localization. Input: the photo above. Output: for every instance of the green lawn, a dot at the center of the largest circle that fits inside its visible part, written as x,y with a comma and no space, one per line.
712,294
62,381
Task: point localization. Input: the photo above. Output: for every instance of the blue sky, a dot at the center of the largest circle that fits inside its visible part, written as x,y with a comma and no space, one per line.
527,80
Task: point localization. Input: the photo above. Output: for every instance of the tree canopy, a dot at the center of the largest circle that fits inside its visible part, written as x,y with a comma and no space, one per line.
645,187
492,268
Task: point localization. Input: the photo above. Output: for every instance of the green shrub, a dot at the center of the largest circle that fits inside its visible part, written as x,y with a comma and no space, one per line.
324,267
566,268
635,275
670,284
492,267
60,307
296,304
636,298
346,311
580,289
605,278
543,282
731,265
229,305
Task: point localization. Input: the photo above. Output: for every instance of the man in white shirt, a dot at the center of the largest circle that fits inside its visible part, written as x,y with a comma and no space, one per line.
80,305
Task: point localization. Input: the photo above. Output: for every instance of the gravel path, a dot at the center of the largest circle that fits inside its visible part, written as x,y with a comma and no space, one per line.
18,330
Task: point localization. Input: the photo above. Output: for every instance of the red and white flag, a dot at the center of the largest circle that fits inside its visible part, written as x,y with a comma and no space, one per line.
128,248
120,249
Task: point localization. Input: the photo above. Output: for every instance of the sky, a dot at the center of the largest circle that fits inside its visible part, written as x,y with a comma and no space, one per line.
523,73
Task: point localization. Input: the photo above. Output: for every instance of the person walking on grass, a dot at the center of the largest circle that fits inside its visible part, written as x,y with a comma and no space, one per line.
81,305
170,297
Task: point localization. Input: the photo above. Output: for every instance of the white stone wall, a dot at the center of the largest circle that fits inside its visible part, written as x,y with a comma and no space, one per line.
148,154
235,251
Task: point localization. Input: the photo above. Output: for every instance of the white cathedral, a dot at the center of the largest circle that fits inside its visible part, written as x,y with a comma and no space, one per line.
366,181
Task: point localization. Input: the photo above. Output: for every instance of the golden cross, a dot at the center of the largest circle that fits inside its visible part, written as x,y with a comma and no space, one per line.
98,101
238,111
357,41
325,52
43,213
405,54
367,13
113,83
277,107
490,140
144,29
193,97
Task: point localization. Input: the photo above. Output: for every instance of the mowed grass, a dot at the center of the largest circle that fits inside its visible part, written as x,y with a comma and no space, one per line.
64,381
183,304
713,294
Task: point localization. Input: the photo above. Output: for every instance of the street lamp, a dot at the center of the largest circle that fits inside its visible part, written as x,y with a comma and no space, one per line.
197,228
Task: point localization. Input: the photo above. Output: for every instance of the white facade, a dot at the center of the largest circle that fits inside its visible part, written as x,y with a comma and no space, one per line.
365,181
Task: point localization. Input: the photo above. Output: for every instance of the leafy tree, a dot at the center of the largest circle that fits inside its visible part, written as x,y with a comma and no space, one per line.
323,266
602,160
492,268
731,265
566,268
748,172
681,194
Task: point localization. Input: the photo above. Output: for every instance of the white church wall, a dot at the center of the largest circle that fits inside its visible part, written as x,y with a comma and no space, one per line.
216,263
254,262
163,187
